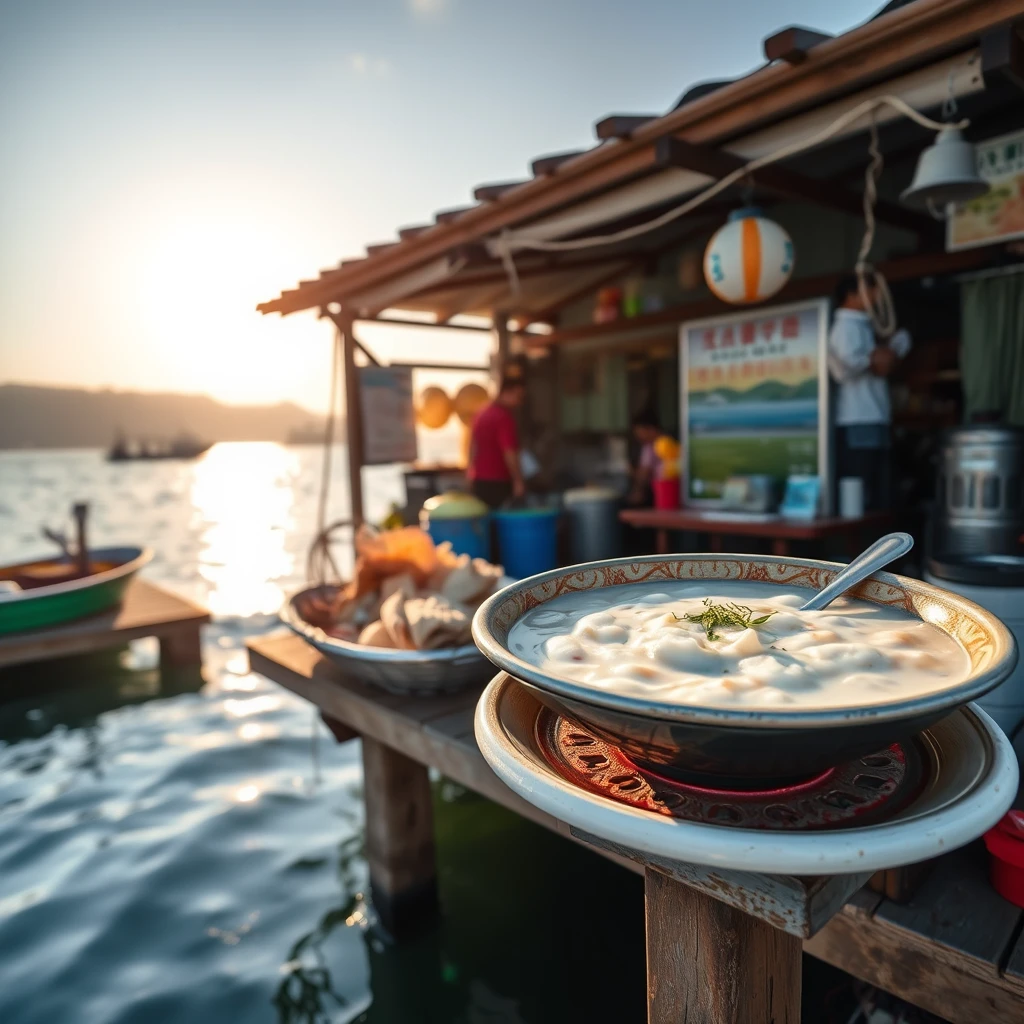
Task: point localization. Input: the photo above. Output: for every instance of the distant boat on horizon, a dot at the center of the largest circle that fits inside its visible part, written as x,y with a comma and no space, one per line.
182,447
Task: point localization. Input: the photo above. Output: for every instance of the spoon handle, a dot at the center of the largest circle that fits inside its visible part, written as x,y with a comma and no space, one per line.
885,550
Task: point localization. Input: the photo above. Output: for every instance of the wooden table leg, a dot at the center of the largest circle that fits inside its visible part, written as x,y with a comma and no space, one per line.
715,542
183,647
780,546
399,838
661,542
708,963
341,732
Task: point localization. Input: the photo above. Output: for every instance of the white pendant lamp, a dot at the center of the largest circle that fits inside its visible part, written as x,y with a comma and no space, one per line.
947,172
748,259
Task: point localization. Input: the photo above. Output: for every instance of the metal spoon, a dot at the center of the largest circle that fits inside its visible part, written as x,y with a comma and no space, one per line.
885,550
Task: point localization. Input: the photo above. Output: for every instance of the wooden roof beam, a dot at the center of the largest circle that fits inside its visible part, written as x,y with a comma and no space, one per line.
621,126
1002,55
488,193
792,44
412,231
545,165
717,163
922,32
447,216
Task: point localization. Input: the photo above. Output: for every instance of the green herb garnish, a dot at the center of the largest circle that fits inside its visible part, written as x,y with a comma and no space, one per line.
722,616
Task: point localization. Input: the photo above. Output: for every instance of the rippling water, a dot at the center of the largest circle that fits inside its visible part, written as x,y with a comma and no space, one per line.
187,848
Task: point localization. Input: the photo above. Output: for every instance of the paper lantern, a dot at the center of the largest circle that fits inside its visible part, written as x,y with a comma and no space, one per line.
471,398
748,259
434,409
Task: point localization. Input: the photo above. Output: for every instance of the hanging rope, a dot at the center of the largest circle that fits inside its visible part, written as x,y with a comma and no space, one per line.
880,308
507,242
320,564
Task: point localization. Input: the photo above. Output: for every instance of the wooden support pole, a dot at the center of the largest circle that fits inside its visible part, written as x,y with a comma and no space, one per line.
399,839
353,419
182,648
708,963
501,344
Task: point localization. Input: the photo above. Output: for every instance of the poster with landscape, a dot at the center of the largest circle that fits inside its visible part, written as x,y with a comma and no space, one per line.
754,395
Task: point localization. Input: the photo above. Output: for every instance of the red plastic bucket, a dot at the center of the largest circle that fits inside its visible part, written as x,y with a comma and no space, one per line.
1005,844
666,493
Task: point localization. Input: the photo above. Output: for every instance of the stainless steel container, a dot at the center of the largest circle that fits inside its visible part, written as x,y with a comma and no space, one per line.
979,508
594,528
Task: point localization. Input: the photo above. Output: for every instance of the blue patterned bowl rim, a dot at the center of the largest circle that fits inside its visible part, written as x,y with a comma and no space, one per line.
989,644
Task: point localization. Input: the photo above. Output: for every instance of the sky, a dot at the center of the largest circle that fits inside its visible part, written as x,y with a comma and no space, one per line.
166,166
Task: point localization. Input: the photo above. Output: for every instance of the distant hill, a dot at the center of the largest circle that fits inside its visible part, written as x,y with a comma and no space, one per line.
766,391
35,416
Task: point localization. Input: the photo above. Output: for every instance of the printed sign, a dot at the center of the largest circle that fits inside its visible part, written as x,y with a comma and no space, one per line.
388,415
754,397
997,216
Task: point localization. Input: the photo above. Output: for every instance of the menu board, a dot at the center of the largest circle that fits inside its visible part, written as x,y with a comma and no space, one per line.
388,415
997,216
754,398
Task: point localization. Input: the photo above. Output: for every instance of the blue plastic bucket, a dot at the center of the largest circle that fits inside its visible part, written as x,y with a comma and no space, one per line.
470,536
527,541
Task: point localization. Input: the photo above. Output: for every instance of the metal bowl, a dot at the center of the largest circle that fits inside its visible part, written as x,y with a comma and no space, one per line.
743,747
418,672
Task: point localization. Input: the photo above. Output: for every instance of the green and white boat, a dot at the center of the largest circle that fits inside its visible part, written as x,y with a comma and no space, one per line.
48,592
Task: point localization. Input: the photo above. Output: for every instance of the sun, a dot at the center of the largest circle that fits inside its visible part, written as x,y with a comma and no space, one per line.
201,275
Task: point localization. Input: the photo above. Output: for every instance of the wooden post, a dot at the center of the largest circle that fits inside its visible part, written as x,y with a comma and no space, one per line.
399,838
708,963
353,419
502,342
182,648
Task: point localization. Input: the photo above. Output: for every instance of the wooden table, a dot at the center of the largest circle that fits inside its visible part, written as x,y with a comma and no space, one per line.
955,950
147,610
781,531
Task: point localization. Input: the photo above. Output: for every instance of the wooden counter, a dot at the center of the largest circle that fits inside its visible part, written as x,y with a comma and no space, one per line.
955,950
856,533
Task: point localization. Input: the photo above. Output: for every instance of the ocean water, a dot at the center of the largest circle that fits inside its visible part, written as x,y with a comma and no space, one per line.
186,847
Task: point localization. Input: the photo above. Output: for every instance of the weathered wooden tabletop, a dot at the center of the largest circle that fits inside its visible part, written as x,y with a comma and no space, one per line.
147,610
956,950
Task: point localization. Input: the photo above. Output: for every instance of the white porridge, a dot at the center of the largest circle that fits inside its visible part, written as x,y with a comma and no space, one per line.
722,644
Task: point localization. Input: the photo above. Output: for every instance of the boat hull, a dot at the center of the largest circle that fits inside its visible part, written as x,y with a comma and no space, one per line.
58,603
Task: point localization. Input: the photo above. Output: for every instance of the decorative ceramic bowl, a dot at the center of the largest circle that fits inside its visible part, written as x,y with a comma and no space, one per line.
744,747
419,672
971,779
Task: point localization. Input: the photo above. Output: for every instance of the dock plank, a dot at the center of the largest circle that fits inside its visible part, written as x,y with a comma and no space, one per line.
1014,973
957,914
875,953
147,610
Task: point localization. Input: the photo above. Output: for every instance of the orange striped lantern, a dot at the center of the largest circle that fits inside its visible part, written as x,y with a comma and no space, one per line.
748,259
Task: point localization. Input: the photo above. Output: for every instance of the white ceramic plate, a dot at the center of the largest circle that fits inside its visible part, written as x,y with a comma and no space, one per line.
975,789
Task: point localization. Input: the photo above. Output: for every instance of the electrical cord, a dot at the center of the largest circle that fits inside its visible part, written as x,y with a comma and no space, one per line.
881,310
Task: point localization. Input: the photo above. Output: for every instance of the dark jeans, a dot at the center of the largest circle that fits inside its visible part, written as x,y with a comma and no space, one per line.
493,493
865,451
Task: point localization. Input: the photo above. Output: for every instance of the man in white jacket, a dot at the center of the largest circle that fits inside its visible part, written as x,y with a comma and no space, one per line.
860,364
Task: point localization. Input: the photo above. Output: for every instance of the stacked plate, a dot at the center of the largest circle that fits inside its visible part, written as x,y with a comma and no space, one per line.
969,779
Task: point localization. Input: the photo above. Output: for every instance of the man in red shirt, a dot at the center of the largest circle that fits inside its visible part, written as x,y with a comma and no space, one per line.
494,472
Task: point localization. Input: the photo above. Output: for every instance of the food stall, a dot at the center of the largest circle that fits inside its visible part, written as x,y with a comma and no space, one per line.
598,272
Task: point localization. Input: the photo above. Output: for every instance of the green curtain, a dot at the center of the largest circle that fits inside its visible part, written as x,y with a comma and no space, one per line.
992,347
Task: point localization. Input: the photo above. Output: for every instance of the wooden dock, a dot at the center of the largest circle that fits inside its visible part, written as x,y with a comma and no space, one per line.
147,610
956,949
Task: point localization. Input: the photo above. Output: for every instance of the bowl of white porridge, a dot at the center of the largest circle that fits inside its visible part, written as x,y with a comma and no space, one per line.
703,667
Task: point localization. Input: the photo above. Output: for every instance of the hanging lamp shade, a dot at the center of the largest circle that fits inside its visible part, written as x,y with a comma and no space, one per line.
748,259
947,172
469,400
434,408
